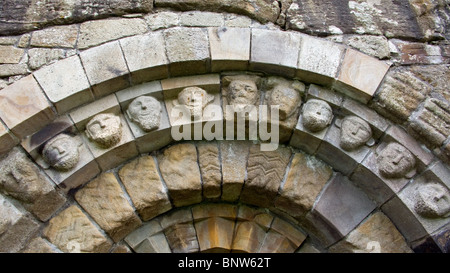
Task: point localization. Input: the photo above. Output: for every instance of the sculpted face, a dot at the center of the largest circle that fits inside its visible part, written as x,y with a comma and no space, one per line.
146,112
317,115
395,161
287,98
242,93
61,152
354,133
195,99
105,130
432,201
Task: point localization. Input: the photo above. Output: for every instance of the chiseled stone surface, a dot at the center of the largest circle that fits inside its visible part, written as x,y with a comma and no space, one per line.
149,238
181,173
343,205
10,54
24,108
353,78
187,50
40,245
234,157
319,60
21,179
282,238
72,231
180,232
230,48
105,68
377,234
400,94
149,66
210,168
7,140
16,227
214,224
96,32
65,90
105,201
274,51
304,181
57,36
265,172
143,183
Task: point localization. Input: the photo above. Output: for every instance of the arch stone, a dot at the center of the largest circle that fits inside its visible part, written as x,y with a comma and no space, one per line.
62,97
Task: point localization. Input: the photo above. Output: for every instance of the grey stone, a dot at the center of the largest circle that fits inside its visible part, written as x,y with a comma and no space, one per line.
187,50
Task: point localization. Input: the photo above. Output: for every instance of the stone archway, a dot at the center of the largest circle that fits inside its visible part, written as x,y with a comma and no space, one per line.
107,77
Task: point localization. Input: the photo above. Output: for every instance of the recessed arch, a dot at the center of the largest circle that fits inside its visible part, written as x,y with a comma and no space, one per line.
105,78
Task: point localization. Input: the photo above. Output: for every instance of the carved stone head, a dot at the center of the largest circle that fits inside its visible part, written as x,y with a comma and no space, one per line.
432,200
195,99
284,94
61,152
395,161
355,132
105,130
317,115
145,111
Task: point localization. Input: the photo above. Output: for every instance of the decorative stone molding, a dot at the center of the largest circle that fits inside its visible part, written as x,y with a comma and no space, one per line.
107,78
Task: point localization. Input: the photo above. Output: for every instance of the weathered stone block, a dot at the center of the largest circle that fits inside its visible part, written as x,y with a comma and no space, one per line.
210,169
149,239
38,57
214,224
304,181
65,90
376,46
24,108
377,234
39,245
105,68
180,232
180,171
250,231
21,179
107,204
7,140
405,221
319,60
332,97
201,19
230,48
149,66
16,227
96,32
400,94
57,36
432,122
353,79
282,238
274,52
142,182
162,20
10,54
265,172
72,231
234,157
187,50
343,205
